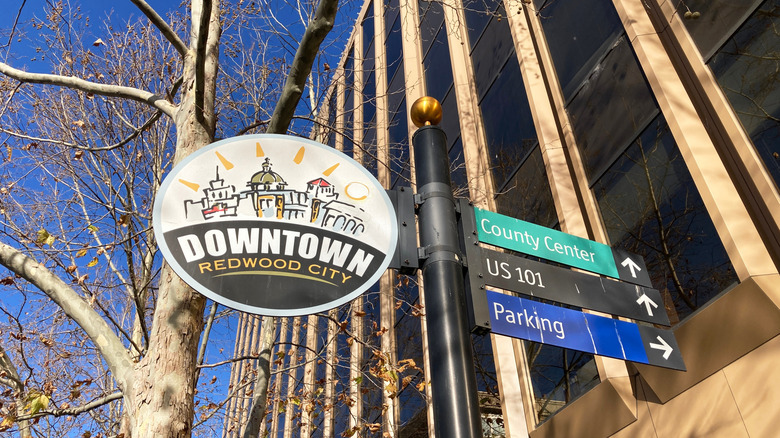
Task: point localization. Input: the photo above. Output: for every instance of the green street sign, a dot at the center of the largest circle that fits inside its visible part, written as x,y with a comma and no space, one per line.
546,243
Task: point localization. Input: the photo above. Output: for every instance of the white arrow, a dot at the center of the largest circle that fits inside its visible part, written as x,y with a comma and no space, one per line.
662,346
631,265
644,299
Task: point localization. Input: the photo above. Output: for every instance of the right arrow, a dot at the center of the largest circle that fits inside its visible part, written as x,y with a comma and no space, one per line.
663,346
644,299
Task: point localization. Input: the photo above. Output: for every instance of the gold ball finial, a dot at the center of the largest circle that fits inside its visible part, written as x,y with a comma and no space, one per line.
426,111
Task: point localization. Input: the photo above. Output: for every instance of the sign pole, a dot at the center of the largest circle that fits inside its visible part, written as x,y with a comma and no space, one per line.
455,400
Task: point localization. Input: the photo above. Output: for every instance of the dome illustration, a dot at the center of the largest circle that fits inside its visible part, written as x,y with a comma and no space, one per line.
267,178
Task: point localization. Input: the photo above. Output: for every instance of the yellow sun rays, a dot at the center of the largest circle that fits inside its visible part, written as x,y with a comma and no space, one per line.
259,152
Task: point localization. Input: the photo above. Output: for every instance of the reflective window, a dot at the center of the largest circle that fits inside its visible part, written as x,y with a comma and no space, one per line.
491,52
369,113
613,105
332,112
438,69
373,374
558,376
450,120
368,28
747,69
578,33
341,378
521,198
398,131
460,181
393,49
395,71
431,21
712,22
651,207
349,103
509,127
369,97
478,13
391,13
485,367
370,147
400,167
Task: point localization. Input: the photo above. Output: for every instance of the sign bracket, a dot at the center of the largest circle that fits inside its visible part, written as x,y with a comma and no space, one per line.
479,316
405,259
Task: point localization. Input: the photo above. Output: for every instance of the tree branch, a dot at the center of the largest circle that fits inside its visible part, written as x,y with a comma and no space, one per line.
162,26
71,82
77,410
11,376
201,56
206,332
16,22
76,308
300,69
136,132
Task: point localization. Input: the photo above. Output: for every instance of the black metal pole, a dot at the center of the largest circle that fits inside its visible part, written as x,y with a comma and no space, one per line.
453,381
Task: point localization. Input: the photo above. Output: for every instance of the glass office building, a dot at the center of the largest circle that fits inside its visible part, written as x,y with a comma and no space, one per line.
651,126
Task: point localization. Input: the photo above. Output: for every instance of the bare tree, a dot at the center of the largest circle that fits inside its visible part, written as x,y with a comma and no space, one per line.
87,145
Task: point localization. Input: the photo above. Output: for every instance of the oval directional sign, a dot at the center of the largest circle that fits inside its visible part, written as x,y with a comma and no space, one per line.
275,225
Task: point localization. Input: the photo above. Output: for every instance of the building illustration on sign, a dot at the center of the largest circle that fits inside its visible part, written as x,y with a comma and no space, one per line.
271,198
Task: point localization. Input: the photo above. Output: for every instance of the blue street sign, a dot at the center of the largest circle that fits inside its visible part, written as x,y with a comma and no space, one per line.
548,324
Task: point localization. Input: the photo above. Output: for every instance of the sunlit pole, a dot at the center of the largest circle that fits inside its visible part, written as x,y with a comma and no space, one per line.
453,381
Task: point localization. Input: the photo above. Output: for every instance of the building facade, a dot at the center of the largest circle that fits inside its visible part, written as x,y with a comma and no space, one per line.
651,126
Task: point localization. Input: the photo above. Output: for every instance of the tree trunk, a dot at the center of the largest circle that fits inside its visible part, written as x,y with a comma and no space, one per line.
260,399
162,398
161,402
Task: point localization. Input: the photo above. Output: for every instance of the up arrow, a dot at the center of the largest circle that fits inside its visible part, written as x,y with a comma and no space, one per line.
662,346
644,299
631,265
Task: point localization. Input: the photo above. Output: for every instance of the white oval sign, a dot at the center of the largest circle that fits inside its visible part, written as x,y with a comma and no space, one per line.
275,225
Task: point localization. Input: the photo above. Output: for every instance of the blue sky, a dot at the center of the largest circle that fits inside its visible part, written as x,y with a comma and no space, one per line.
24,10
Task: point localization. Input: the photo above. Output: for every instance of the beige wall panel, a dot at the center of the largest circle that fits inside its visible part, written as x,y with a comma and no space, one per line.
388,344
526,387
414,78
510,393
706,410
561,183
643,426
600,412
756,389
472,135
359,149
330,383
309,374
722,332
380,94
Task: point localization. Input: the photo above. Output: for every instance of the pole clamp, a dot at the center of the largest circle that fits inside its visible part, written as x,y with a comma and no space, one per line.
441,252
420,198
